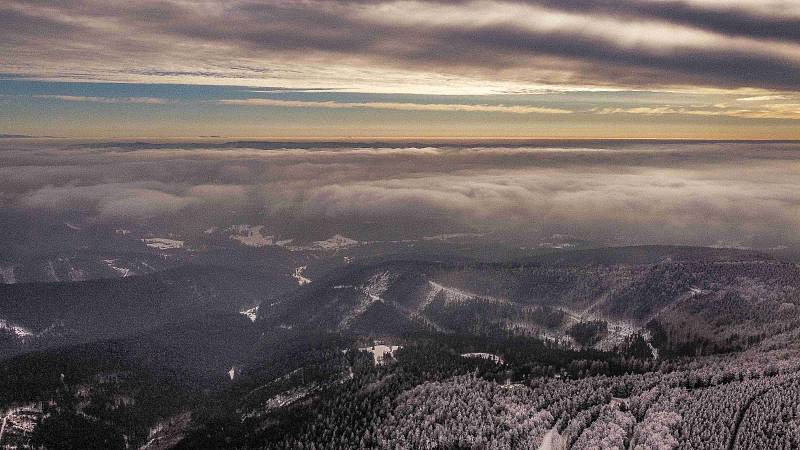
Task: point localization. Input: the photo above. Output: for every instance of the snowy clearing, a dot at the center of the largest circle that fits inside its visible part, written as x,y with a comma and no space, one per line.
335,242
456,296
380,351
121,271
488,356
251,236
251,313
163,243
298,275
18,331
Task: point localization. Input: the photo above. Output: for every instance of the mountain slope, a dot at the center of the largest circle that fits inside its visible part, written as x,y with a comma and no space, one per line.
720,299
38,315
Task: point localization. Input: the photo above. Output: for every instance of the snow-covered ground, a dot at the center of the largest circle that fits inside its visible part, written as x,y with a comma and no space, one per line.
122,271
449,236
380,351
163,243
289,397
298,275
18,331
489,356
256,236
372,291
167,432
251,236
455,295
17,424
335,242
557,245
552,440
618,333
251,313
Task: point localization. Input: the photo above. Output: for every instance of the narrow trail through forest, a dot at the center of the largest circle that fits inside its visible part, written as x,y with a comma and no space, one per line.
743,411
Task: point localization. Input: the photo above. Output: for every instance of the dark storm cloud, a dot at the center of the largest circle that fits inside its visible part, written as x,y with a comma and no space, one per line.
726,67
678,193
732,19
627,42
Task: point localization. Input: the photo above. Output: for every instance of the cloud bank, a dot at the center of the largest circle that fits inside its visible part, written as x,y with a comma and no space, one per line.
688,193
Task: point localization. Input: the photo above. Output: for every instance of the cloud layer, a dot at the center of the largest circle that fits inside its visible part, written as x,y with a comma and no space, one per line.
398,45
609,192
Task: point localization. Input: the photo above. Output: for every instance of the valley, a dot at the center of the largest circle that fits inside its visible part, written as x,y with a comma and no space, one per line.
637,340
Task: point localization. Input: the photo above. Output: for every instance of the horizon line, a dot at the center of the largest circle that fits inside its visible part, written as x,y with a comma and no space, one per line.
21,137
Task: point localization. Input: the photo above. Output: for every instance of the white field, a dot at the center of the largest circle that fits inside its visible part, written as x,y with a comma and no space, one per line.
251,236
380,351
163,243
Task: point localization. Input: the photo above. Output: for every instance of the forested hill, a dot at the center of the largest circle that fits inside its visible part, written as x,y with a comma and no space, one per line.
642,347
686,299
40,315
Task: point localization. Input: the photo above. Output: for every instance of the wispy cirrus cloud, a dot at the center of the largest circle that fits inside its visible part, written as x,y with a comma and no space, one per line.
764,98
510,109
108,100
781,111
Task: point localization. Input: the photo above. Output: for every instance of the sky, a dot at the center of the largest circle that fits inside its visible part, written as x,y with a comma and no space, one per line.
344,69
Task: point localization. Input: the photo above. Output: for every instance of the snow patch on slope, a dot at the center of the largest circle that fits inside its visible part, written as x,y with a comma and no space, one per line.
456,296
449,236
121,271
18,331
289,397
17,425
487,356
250,236
372,291
298,275
163,243
251,313
380,351
167,432
335,242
